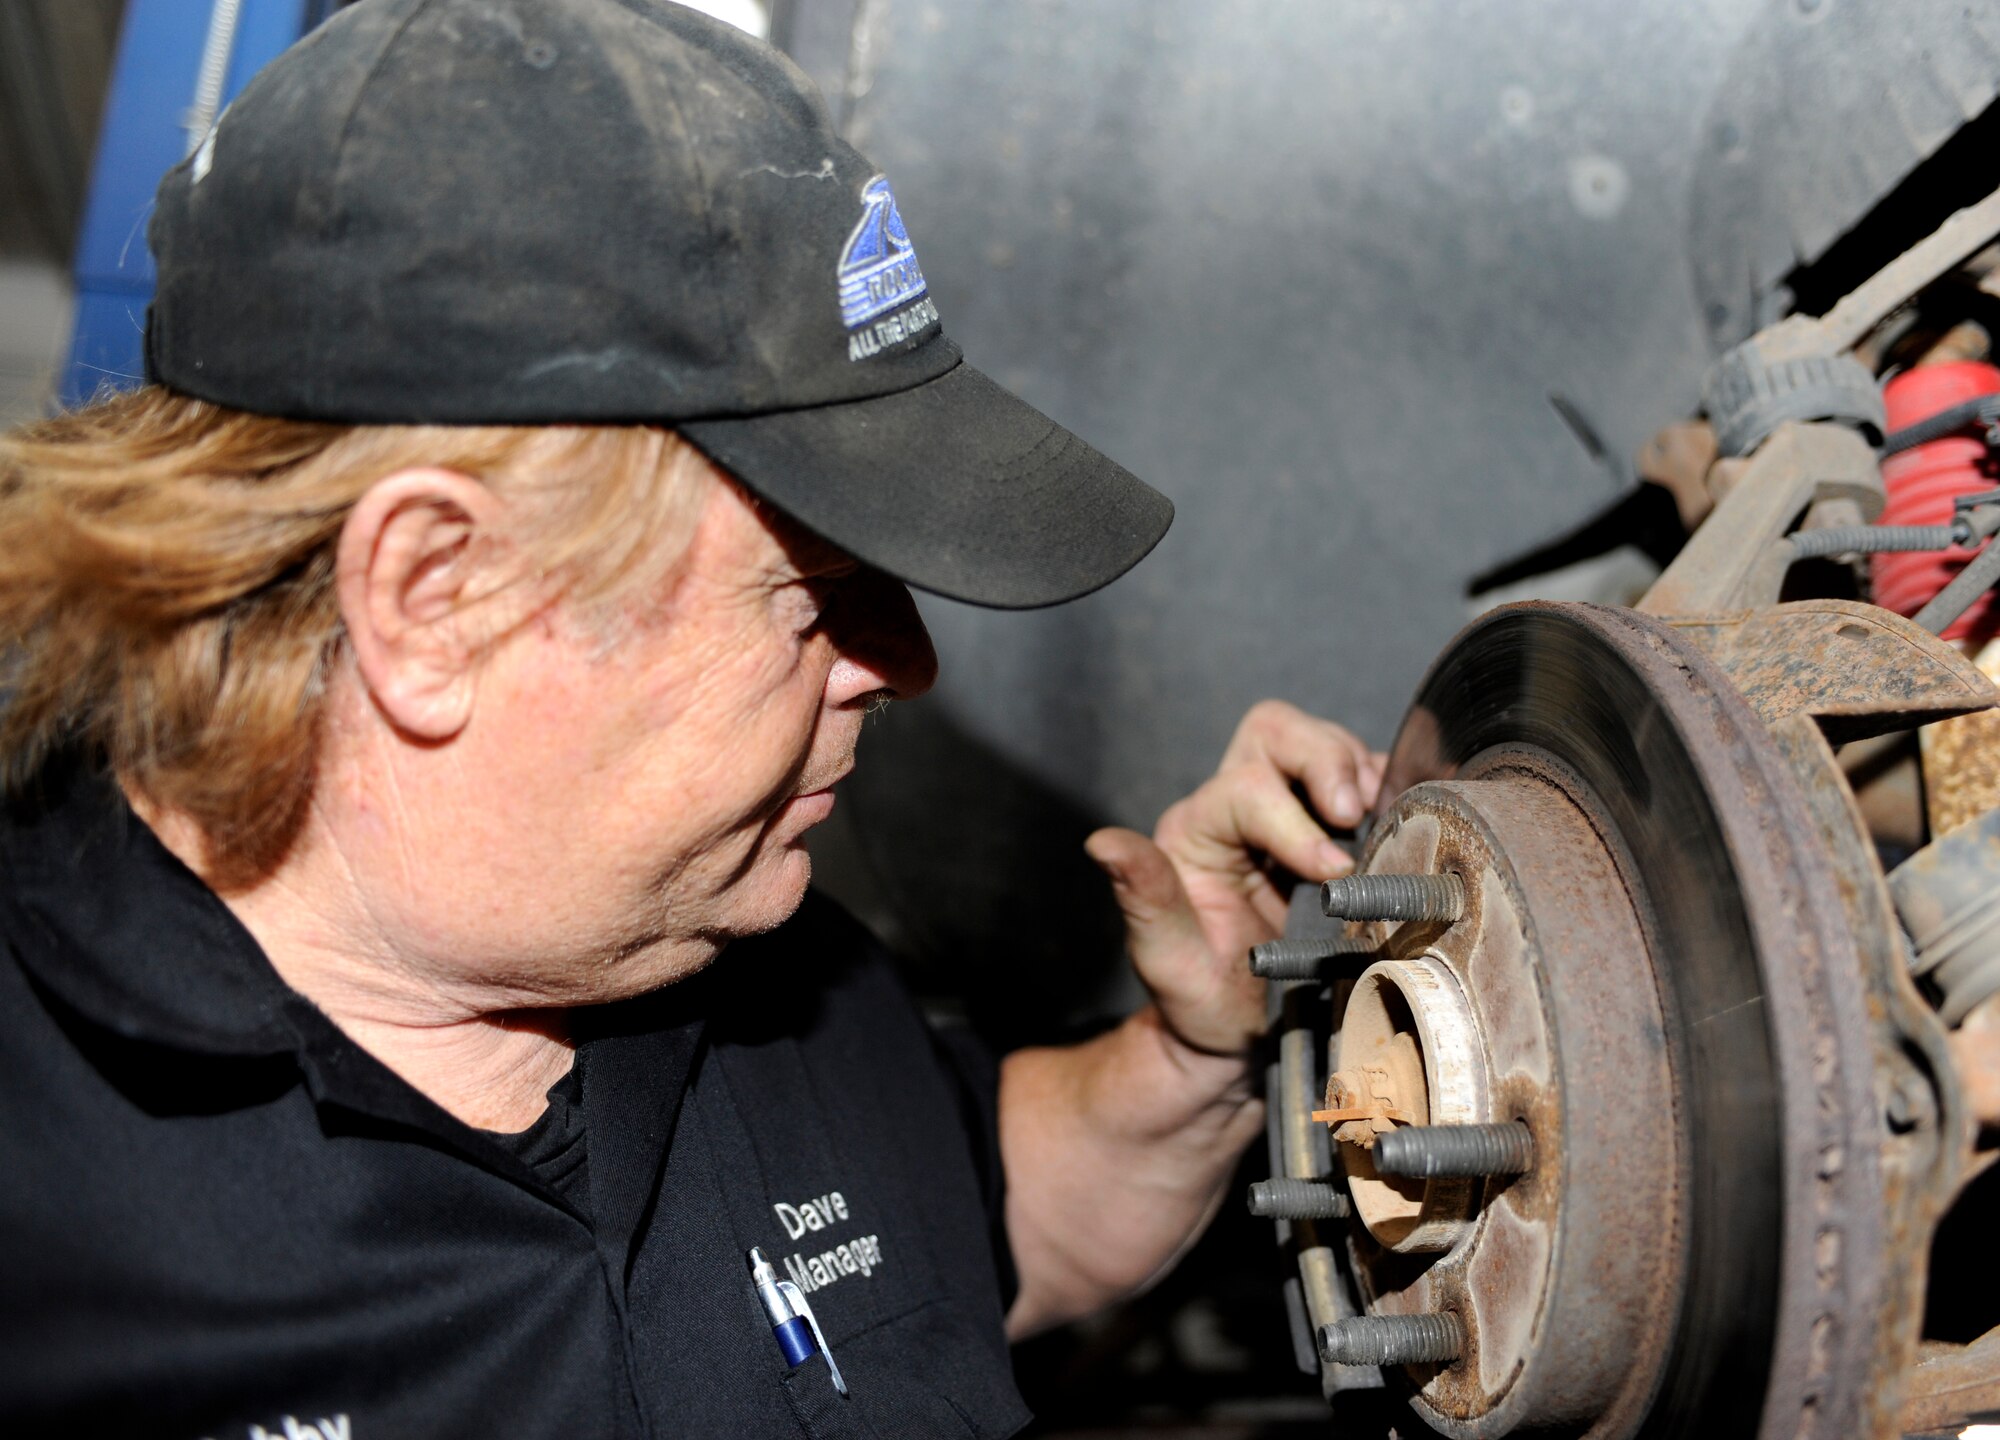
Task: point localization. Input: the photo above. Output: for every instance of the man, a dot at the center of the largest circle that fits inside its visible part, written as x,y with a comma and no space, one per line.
420,694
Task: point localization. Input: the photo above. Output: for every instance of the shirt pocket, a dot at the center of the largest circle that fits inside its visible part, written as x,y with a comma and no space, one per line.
823,1412
928,1374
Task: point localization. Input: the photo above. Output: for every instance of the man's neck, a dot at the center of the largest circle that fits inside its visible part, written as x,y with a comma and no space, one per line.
483,1058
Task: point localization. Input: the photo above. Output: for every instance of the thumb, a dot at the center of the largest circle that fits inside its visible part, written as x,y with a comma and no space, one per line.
1160,924
1168,947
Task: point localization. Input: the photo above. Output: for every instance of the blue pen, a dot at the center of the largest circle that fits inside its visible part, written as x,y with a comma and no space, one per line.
793,1323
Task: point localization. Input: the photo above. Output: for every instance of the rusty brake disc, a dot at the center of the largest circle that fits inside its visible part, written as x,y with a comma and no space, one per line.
1653,967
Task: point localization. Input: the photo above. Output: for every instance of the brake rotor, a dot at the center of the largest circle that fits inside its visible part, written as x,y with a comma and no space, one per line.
1659,977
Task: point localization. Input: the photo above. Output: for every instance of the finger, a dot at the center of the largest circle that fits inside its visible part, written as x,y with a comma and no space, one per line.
1160,923
1338,788
1201,996
1373,769
1329,760
1272,905
1250,808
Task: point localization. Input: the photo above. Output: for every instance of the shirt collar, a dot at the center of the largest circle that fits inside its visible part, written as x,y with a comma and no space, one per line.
124,933
111,922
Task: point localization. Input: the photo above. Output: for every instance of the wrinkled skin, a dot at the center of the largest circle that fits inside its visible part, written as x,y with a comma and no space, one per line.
521,809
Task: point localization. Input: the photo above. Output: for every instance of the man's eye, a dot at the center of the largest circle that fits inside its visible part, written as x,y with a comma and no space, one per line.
813,596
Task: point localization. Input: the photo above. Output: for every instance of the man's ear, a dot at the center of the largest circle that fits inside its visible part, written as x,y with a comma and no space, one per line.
412,562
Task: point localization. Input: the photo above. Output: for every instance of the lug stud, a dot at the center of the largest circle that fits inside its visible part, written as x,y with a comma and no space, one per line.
1393,897
1303,959
1440,1152
1392,1339
1287,1199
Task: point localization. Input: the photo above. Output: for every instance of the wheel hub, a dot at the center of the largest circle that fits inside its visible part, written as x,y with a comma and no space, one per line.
1529,1006
1658,968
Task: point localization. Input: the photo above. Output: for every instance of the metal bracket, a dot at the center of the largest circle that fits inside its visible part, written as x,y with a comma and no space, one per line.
1734,562
1857,669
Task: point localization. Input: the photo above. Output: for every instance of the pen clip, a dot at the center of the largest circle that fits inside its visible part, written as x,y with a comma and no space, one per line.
804,1310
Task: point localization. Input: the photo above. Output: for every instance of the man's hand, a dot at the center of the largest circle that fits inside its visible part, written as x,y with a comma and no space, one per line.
1203,890
1116,1150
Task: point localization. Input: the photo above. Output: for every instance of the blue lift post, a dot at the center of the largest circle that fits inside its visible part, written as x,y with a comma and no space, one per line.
152,98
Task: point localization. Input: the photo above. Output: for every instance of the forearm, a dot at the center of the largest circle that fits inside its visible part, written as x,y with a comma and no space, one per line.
1116,1153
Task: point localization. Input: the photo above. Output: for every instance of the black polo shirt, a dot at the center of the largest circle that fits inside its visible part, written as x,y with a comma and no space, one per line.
222,1218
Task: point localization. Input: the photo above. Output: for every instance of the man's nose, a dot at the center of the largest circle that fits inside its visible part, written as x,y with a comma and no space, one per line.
881,644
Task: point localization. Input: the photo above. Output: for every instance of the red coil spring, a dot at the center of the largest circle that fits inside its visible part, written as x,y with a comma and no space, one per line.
1922,484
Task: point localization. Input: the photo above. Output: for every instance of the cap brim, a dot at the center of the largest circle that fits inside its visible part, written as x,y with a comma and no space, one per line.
954,486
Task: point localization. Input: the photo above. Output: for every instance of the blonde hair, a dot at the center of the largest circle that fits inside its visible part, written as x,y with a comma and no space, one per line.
167,592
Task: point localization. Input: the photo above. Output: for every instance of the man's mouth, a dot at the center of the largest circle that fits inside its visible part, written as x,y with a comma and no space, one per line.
815,804
824,786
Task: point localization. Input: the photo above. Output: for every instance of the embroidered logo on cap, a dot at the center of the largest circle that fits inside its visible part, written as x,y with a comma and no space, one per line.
879,273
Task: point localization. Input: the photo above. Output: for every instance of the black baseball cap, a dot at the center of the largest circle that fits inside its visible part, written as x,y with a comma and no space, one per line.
615,211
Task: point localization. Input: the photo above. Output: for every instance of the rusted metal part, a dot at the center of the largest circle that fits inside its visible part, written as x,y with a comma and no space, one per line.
1953,1385
1814,1126
1361,1102
1773,1329
1962,759
1734,561
1869,303
1923,1134
1817,1119
1724,476
1409,1053
1829,1307
1859,670
1565,1284
1961,769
